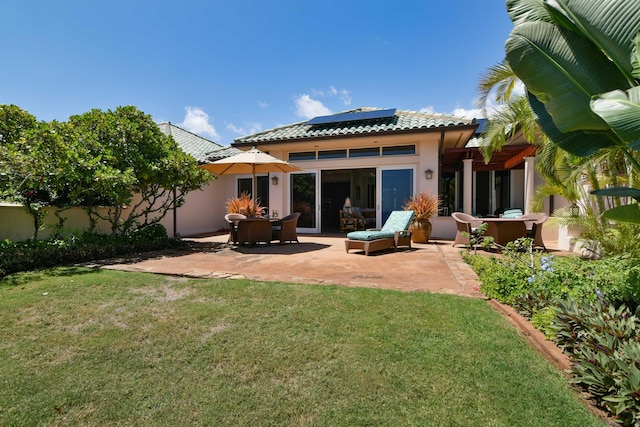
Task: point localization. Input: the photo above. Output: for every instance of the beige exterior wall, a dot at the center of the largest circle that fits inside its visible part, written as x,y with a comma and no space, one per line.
17,225
426,157
203,212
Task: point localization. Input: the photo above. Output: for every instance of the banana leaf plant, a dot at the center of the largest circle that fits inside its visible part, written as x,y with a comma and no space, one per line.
580,63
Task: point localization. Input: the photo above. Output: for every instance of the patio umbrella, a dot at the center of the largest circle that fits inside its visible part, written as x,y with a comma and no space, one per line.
250,162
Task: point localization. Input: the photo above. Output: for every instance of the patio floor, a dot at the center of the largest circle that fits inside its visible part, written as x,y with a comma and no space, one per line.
433,267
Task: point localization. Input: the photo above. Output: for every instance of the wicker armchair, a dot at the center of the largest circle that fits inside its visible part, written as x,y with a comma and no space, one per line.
465,223
252,231
534,222
285,229
232,222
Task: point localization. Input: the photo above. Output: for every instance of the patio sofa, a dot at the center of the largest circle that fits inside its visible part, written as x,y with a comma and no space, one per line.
395,232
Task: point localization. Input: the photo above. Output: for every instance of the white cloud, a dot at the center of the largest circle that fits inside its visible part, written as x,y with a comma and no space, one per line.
197,121
308,107
263,104
345,95
473,113
247,129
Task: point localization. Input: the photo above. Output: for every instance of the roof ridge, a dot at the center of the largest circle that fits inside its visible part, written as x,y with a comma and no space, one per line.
189,132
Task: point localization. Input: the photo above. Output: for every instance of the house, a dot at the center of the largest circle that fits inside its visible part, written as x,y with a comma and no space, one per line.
378,158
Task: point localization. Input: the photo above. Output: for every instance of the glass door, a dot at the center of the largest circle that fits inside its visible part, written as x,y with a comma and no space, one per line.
303,199
396,187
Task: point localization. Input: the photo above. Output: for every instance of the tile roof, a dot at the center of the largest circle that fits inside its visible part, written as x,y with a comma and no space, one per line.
402,121
200,148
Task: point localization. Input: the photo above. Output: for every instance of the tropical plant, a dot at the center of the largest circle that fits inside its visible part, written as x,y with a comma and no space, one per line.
424,206
245,205
580,63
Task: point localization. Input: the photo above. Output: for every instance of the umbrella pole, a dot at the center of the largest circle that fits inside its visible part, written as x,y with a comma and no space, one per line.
254,192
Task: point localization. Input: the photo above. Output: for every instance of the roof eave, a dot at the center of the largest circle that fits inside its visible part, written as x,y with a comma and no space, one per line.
451,128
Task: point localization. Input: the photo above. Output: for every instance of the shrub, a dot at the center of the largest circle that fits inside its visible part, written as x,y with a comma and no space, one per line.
36,254
505,277
604,343
586,307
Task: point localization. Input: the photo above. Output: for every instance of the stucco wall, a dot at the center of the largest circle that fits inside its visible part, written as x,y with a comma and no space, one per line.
17,225
203,212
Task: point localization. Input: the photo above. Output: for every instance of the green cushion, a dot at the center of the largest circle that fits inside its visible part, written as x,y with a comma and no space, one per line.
398,221
512,213
369,235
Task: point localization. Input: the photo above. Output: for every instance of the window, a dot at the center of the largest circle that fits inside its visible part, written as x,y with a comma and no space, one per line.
304,155
399,150
262,187
364,152
332,154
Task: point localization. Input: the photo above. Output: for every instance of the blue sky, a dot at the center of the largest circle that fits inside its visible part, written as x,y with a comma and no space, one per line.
227,68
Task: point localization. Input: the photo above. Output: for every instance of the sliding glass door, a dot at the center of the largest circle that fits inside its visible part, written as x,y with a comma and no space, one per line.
304,200
396,187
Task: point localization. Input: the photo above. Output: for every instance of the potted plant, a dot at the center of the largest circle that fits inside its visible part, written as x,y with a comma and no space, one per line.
424,206
245,205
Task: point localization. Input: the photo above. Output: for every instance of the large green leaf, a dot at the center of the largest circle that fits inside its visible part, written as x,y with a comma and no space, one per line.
610,25
622,112
521,11
627,213
619,192
558,66
635,60
578,143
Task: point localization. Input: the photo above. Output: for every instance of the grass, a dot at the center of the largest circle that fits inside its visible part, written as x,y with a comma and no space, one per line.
88,347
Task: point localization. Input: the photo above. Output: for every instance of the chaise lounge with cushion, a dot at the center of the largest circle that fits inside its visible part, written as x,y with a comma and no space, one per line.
395,232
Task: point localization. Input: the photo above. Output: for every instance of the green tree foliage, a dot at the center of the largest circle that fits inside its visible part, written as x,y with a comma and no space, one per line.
116,159
129,156
14,123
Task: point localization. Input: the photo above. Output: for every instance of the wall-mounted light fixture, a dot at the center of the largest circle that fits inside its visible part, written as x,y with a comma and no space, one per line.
574,210
428,173
274,180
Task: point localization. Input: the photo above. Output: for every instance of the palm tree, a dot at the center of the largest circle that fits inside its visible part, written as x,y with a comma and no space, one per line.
564,174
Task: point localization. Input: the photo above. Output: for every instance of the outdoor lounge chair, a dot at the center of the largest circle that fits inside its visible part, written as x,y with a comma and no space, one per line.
465,223
285,229
395,232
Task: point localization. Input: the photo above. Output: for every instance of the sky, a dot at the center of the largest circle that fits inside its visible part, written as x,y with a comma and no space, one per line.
227,68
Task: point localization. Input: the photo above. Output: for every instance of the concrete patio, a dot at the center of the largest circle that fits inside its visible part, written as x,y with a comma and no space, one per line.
432,267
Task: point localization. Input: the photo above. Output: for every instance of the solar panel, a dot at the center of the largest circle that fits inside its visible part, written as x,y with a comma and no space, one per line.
353,116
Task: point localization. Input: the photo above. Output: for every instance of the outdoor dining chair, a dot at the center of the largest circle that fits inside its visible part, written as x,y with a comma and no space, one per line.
232,222
284,230
534,222
254,230
466,227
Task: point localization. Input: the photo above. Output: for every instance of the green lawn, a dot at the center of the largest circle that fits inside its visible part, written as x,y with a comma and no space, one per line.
85,347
